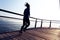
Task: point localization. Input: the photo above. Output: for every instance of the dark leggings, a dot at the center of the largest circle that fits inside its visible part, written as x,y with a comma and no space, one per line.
26,23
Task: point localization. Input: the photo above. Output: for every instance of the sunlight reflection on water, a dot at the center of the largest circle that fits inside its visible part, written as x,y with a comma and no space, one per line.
13,24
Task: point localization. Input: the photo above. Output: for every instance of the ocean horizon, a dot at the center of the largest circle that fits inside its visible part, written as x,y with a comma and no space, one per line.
7,24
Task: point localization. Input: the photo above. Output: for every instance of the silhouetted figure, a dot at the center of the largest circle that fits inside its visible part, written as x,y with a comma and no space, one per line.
26,21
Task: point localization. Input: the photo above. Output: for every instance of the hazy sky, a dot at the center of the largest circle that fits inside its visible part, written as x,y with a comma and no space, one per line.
43,9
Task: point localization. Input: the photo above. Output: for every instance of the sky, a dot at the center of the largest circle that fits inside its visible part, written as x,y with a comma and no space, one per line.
43,9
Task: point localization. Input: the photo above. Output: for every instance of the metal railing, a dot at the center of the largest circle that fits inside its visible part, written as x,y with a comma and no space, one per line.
30,17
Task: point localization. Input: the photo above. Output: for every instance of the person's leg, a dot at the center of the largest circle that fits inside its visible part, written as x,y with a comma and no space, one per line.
22,27
27,24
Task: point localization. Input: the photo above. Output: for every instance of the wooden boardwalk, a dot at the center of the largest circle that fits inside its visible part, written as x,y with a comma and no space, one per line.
34,34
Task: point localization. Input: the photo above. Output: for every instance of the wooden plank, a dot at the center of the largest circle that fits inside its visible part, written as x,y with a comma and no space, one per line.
35,34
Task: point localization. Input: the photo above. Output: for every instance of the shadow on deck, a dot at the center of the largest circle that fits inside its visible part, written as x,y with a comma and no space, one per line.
33,34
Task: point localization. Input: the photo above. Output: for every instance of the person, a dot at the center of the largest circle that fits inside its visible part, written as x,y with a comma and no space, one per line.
26,21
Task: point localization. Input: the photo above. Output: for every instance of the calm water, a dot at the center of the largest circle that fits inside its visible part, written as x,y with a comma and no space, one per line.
13,24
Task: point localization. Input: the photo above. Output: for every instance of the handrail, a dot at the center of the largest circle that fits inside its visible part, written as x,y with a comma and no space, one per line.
17,14
23,15
15,18
30,17
14,13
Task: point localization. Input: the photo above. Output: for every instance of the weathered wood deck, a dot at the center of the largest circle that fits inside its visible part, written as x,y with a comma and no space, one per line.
34,34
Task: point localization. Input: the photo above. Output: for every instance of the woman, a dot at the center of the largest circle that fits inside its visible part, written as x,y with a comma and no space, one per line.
26,21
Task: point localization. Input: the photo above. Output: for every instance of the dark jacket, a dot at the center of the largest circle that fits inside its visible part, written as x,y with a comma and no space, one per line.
26,13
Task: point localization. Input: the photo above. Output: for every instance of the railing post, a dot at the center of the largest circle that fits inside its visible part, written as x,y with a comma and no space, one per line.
35,23
41,23
50,25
